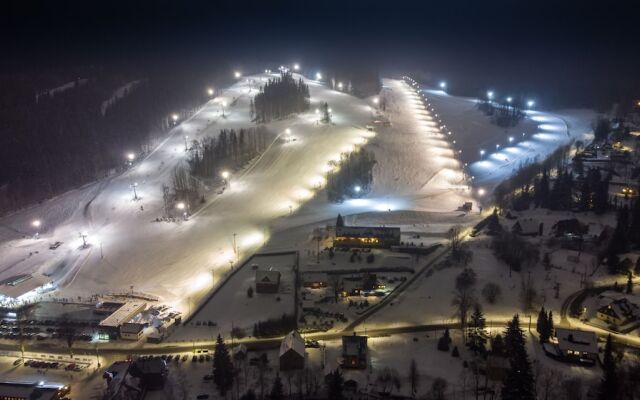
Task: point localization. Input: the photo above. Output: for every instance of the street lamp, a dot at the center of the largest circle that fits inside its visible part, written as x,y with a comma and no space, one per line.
481,153
497,146
481,192
530,103
174,118
357,189
186,146
510,139
296,67
224,104
36,224
490,95
182,207
287,131
376,100
134,185
318,76
443,85
225,176
83,236
509,99
210,91
339,85
237,74
131,157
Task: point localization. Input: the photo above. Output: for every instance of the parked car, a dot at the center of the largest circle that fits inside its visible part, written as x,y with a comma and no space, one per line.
55,245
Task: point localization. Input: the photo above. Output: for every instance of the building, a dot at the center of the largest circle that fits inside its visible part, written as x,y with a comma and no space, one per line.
577,345
267,281
292,352
131,331
619,312
356,285
152,372
354,352
314,280
364,236
122,315
22,287
527,227
32,390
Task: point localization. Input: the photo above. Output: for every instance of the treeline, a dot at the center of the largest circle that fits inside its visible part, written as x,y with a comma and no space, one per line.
353,176
279,98
275,326
502,114
231,149
61,141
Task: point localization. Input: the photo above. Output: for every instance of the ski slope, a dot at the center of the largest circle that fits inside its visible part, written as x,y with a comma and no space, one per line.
277,198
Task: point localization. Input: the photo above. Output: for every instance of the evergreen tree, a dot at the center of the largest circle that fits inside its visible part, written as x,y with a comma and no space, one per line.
222,367
334,383
634,226
519,383
609,385
551,327
497,345
249,395
619,240
601,197
339,221
542,326
477,318
277,390
541,190
326,115
629,283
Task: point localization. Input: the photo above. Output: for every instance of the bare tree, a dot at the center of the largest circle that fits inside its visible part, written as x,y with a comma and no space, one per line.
464,300
388,378
454,236
528,293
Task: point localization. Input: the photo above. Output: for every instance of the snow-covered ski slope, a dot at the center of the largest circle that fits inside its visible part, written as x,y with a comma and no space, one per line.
418,169
505,149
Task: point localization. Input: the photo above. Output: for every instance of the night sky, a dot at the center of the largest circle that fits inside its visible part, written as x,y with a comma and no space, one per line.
565,54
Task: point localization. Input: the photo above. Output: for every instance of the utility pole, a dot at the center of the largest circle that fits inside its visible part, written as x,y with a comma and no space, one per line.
318,249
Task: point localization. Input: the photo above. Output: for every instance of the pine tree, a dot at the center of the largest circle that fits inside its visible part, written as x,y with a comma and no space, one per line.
629,283
326,115
477,318
619,240
519,383
222,367
542,326
339,221
609,385
334,383
634,226
277,390
550,327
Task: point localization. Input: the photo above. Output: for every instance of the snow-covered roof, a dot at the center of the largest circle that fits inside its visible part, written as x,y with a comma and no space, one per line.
577,340
123,314
621,308
527,225
293,341
19,285
368,231
270,276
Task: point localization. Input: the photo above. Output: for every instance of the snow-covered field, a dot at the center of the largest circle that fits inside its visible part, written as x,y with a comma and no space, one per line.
271,199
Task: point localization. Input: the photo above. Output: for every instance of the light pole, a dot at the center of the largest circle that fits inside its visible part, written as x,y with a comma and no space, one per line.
183,208
530,104
130,158
186,146
134,185
224,104
318,76
83,236
490,95
210,91
174,117
235,246
443,85
225,176
36,224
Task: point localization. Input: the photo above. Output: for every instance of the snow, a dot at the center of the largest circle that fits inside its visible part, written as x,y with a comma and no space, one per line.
418,184
535,137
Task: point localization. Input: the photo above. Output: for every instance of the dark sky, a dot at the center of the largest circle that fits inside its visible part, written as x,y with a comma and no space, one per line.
540,47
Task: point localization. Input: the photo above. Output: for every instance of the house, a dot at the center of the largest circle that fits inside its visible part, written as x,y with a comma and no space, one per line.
152,372
292,352
569,228
351,286
577,345
364,236
527,227
619,312
131,331
267,281
314,280
354,351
